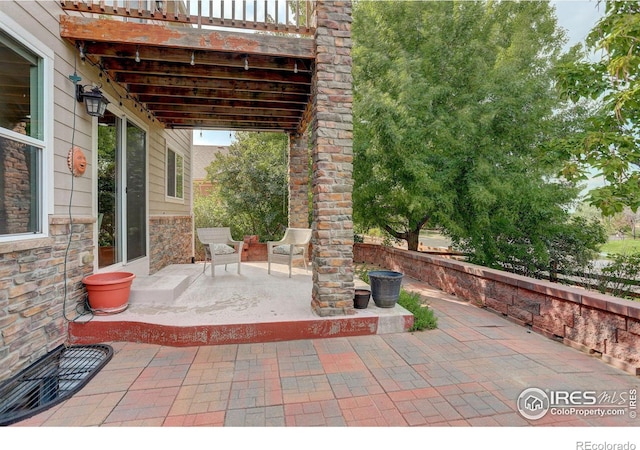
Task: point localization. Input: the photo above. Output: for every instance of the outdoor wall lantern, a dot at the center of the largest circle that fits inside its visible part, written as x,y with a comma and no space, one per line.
94,101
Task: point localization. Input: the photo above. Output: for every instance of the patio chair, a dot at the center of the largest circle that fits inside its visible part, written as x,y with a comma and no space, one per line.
292,247
220,248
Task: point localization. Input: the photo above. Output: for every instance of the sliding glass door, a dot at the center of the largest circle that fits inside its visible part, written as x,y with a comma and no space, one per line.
136,145
122,231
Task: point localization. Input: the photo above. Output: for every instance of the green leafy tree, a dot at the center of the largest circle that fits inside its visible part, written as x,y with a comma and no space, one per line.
527,230
610,141
210,211
453,108
249,186
107,137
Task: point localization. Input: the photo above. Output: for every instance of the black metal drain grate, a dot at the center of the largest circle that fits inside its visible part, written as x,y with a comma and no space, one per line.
50,380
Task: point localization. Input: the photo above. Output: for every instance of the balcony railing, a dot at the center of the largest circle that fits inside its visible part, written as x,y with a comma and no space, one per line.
281,16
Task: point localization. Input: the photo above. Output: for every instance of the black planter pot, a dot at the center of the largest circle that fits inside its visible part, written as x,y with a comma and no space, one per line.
361,298
385,287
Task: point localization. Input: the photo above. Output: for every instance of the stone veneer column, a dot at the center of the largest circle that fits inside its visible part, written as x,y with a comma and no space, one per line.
298,181
332,135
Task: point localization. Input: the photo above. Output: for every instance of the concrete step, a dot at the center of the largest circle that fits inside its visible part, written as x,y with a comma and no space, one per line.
162,288
165,285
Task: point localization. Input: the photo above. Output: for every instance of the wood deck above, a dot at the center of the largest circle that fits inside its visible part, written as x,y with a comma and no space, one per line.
188,76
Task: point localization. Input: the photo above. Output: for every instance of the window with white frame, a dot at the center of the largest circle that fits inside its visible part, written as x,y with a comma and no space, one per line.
22,136
175,175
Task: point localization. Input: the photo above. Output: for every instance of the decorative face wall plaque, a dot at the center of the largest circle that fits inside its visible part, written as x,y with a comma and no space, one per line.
77,161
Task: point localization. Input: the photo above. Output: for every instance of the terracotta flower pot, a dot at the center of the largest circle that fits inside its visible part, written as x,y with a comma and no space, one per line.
108,292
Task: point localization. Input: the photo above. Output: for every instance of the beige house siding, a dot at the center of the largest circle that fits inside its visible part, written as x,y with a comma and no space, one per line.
35,307
180,142
170,221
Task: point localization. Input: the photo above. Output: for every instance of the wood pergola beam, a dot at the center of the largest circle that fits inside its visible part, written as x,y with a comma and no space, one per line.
122,65
130,33
209,58
161,94
218,110
202,104
243,124
204,84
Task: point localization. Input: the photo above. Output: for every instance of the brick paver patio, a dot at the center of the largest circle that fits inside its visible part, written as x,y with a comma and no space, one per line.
468,372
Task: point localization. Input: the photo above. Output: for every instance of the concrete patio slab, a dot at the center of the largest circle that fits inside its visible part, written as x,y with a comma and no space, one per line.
249,307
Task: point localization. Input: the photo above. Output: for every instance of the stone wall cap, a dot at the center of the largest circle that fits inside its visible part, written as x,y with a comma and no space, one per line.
64,219
633,310
26,244
618,305
595,300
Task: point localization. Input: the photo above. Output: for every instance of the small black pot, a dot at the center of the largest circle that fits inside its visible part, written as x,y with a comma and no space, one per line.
361,298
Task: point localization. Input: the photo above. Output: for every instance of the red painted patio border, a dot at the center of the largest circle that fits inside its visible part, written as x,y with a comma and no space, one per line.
183,336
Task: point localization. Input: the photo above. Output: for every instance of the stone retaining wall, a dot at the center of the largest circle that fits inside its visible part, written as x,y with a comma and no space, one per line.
589,321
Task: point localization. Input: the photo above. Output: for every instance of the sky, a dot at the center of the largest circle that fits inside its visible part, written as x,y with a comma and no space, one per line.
576,16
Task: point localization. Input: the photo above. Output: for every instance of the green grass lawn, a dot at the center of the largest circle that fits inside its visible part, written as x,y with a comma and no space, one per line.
623,246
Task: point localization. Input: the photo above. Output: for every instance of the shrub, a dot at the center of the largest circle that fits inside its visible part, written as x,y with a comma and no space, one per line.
618,277
423,316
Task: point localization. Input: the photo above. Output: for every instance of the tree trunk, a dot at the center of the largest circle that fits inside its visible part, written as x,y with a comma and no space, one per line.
553,272
411,236
413,239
